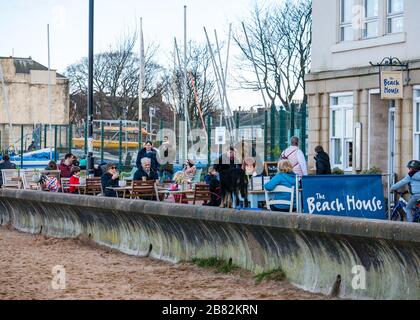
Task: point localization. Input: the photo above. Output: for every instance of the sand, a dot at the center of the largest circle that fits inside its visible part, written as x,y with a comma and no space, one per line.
92,272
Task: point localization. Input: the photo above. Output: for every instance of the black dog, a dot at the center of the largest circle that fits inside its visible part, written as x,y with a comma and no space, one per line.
234,184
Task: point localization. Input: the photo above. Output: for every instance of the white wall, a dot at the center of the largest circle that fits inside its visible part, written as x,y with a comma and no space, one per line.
328,54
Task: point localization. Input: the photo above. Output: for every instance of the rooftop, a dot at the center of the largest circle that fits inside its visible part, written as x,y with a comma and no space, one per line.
25,65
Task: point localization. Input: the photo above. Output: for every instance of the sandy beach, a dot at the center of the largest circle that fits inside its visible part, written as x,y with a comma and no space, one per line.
92,272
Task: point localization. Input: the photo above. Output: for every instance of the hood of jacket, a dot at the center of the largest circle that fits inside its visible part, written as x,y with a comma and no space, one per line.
322,156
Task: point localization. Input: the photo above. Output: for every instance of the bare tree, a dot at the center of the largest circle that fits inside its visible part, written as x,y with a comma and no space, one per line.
201,85
116,79
280,40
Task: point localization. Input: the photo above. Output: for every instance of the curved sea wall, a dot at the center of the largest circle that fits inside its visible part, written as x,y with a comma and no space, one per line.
313,251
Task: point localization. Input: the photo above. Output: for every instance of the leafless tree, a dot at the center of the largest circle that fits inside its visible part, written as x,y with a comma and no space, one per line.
116,79
200,77
280,40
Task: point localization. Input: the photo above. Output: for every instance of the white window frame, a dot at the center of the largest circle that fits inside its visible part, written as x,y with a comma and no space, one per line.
344,139
391,15
367,20
343,24
416,120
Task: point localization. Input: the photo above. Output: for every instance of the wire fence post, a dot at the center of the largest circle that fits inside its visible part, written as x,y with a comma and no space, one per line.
303,127
265,133
208,141
70,137
21,146
120,147
55,143
86,138
272,130
102,141
45,136
282,129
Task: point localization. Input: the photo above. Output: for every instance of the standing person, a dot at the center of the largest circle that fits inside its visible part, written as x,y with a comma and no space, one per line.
32,146
110,179
296,158
322,161
285,177
75,179
226,163
148,152
166,159
65,165
146,171
5,164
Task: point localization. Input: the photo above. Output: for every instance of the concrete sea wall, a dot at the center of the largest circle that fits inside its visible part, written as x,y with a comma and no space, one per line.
313,251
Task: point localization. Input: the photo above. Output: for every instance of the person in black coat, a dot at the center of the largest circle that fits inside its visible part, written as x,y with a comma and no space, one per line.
5,164
148,152
110,179
322,161
227,163
146,171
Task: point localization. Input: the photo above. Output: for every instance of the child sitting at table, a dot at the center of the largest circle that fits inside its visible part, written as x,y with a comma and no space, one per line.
50,184
212,180
74,179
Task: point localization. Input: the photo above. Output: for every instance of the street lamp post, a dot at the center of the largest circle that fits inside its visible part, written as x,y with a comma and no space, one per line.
89,164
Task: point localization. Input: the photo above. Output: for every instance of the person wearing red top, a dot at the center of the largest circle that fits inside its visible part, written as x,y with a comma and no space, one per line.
65,165
74,179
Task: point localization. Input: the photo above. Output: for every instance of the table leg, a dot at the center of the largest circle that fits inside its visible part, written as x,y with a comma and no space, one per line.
254,201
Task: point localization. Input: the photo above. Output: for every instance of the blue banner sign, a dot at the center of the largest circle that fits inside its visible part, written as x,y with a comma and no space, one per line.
359,196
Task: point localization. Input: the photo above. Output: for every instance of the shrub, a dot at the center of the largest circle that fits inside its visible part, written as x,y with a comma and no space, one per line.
373,170
337,171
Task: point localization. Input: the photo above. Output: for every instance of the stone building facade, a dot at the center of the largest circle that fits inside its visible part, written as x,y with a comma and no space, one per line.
27,92
346,114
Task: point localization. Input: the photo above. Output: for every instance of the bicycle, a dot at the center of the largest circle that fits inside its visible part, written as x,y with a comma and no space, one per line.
398,209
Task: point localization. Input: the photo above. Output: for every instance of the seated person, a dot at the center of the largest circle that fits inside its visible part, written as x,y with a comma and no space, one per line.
212,180
52,166
74,179
110,179
189,170
50,184
413,180
146,172
286,177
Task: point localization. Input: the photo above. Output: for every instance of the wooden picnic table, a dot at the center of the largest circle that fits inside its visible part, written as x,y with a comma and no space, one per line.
168,192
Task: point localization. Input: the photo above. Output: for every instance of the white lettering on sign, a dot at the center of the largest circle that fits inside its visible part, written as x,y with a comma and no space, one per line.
319,204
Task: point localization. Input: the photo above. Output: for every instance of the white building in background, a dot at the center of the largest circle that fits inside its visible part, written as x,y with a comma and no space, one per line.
346,114
27,90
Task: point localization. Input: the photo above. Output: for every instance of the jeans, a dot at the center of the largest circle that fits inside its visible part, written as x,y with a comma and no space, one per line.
410,206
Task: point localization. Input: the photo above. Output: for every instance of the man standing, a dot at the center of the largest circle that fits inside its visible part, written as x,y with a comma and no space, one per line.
296,157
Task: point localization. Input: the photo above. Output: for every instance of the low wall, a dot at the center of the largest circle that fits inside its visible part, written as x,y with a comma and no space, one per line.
311,250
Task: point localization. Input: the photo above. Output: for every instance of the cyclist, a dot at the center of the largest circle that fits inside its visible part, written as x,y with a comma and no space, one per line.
413,180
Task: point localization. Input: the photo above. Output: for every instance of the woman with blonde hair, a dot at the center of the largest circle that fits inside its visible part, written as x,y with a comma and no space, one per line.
285,177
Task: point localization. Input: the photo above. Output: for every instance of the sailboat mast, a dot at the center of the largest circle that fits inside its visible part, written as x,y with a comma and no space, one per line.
49,91
141,82
185,87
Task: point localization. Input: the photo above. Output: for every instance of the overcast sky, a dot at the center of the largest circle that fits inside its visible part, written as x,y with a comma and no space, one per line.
23,25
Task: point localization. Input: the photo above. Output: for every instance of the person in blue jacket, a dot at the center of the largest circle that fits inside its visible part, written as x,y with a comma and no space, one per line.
413,180
285,177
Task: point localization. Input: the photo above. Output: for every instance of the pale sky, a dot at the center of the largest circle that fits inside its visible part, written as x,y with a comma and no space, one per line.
23,28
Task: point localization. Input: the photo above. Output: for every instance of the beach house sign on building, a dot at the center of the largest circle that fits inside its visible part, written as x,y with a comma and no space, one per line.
392,87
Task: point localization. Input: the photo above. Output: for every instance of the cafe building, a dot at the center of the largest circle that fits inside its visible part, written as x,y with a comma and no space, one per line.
364,85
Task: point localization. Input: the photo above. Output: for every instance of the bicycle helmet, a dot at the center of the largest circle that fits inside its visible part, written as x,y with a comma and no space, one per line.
414,164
